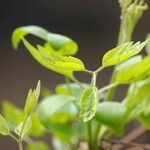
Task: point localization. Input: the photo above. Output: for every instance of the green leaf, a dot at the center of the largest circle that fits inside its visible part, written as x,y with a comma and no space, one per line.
137,99
38,146
134,71
58,108
59,115
111,114
4,128
148,44
128,63
61,64
144,120
73,89
23,128
88,103
32,99
58,43
15,115
122,53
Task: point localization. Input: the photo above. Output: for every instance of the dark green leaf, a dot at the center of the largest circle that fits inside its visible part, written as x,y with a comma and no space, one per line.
111,114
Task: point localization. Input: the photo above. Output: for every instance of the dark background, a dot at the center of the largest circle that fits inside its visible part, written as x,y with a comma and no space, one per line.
94,24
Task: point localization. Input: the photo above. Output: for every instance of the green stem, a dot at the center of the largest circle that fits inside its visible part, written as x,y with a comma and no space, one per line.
99,69
76,81
107,87
88,71
97,130
20,145
89,135
14,138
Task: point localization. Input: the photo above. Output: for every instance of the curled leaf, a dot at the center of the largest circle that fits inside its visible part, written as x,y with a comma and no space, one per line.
58,43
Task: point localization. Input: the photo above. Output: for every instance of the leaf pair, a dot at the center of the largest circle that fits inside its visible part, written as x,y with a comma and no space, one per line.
23,128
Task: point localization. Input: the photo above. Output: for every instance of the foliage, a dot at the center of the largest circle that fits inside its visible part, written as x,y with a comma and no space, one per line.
77,111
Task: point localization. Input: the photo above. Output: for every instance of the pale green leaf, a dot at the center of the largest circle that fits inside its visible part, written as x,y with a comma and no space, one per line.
137,100
61,64
122,53
4,128
134,71
59,115
23,128
32,99
111,114
88,103
59,43
15,115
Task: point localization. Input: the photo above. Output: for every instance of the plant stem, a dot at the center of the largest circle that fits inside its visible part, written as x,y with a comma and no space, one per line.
76,81
99,69
89,135
14,138
97,129
88,71
107,87
20,145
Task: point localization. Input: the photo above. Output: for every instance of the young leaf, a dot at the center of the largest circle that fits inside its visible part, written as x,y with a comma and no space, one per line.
61,64
88,103
137,100
133,72
111,114
4,128
15,115
59,43
23,128
32,99
122,53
